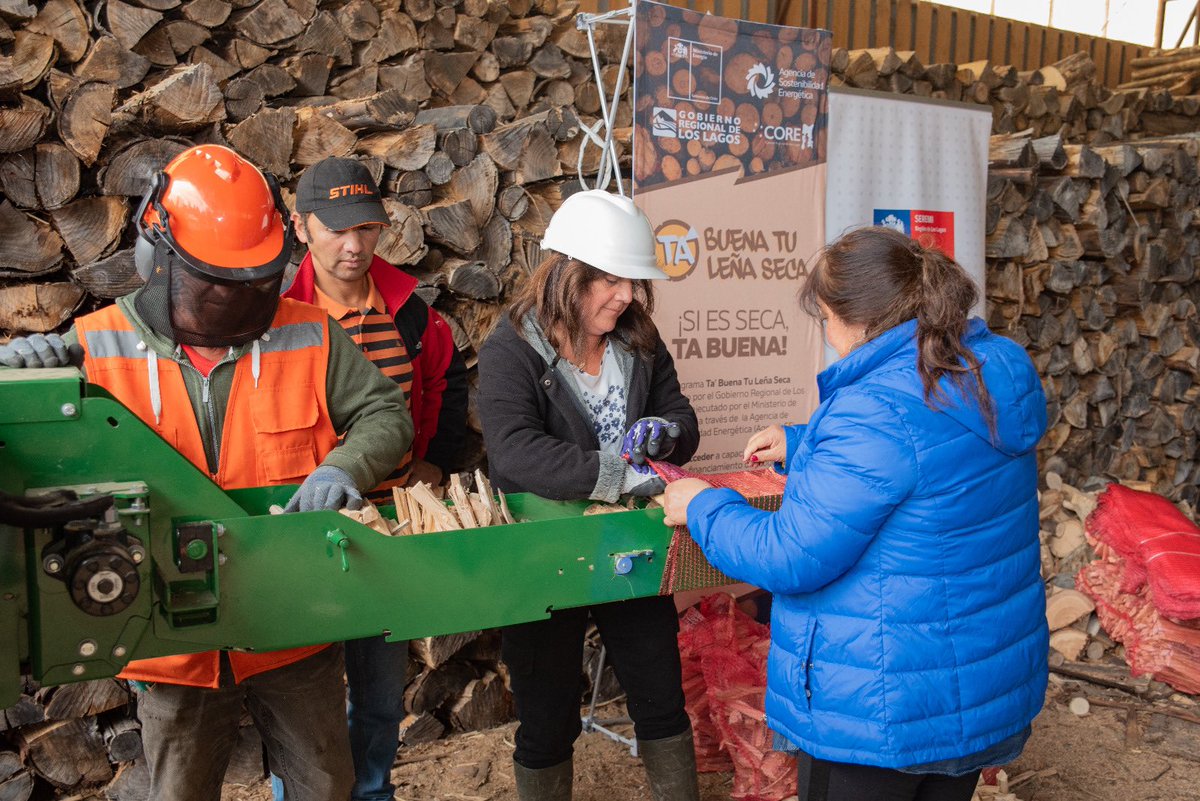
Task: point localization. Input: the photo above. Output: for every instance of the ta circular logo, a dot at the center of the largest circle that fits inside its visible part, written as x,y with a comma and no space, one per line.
760,80
677,248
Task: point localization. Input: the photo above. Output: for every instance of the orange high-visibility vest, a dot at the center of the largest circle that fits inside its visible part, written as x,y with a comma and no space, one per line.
276,431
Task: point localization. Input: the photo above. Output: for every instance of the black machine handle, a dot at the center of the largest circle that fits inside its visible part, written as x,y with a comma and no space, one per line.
52,509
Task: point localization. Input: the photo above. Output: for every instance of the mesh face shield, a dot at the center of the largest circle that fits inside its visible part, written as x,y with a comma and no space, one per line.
196,303
197,309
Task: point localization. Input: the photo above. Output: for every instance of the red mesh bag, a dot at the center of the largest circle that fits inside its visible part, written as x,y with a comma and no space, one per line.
685,567
724,654
1158,546
694,636
1154,645
730,650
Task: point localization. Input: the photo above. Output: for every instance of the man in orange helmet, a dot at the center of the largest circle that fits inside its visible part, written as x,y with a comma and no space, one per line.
258,391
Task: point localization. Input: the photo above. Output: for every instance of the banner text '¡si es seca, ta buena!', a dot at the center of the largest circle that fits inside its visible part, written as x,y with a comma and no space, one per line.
743,345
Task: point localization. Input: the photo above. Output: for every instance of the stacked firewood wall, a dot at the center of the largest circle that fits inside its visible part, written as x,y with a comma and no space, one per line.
1091,268
469,112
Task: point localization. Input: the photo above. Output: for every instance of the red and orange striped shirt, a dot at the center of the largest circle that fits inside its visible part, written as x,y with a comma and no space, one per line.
375,332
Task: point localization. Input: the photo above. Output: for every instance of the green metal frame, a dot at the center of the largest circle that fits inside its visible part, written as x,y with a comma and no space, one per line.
276,581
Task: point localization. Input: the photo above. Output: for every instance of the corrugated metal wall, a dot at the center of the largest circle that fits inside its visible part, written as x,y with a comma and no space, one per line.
939,34
756,10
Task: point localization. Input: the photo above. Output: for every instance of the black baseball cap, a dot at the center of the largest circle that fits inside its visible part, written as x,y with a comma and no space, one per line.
342,193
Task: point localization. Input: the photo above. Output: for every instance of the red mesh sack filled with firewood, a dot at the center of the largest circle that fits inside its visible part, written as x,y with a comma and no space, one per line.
1154,645
1158,544
731,651
695,635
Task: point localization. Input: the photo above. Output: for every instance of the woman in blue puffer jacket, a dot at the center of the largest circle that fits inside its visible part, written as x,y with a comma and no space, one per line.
908,631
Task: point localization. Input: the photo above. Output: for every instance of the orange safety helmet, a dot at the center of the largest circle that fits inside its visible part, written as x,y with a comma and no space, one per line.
218,215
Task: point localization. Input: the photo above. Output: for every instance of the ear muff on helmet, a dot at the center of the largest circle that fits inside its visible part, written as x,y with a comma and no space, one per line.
153,221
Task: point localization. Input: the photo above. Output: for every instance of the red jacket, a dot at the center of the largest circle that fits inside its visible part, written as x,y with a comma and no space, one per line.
438,401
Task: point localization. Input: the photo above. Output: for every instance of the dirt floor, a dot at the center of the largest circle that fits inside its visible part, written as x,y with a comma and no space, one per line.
1127,752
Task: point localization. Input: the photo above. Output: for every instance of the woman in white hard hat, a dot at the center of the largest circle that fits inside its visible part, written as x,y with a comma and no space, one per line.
576,388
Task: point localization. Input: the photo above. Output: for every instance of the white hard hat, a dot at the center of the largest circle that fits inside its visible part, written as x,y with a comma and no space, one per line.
605,231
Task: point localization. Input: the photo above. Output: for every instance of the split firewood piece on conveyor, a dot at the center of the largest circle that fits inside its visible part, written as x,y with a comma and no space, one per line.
462,503
369,516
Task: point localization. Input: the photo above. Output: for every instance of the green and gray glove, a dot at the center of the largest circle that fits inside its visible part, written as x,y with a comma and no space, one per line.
40,350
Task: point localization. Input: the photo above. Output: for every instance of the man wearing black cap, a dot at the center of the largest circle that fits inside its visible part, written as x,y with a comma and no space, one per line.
340,216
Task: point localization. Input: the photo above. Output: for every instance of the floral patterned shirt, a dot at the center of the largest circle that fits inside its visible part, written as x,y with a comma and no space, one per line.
604,396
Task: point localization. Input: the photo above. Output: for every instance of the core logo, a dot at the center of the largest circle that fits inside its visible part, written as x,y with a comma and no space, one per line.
760,81
677,249
348,190
663,122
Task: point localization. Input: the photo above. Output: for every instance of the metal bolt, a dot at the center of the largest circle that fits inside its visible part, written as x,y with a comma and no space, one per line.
119,651
78,670
222,559
87,648
220,529
52,564
69,410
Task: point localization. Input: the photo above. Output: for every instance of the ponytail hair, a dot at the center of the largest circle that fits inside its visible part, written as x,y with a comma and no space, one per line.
878,278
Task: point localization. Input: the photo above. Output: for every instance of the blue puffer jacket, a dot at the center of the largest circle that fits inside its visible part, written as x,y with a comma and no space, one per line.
908,623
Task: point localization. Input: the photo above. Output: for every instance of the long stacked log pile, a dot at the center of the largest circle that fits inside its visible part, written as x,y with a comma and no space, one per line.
1064,98
1177,71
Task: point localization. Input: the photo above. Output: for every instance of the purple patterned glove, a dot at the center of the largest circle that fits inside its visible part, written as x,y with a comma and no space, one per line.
651,437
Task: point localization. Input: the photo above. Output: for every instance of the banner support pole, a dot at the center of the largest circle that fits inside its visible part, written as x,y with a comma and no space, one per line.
609,167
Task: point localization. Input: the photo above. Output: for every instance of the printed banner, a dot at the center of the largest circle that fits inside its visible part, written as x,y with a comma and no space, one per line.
730,137
916,165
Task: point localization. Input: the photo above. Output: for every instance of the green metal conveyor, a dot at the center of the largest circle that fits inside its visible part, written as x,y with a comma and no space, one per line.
177,565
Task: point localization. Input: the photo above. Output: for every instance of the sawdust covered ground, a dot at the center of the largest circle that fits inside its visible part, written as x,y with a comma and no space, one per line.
1098,757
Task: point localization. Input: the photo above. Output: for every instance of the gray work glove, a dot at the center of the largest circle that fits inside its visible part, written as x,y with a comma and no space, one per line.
36,350
634,483
327,487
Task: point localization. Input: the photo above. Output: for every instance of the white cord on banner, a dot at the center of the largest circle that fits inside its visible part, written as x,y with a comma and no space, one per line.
609,166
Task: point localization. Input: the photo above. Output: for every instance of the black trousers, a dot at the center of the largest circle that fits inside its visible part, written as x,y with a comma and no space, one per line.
839,781
545,660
